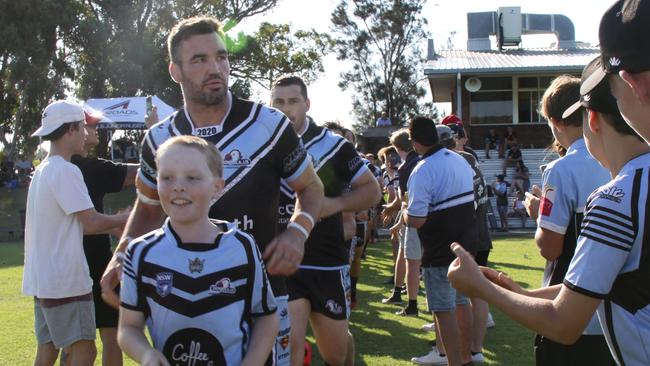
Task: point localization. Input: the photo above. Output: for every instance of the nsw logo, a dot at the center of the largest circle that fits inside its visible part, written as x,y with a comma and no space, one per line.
235,158
613,194
164,282
223,287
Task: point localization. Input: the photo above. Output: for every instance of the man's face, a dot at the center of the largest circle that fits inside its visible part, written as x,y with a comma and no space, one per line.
92,139
204,69
291,102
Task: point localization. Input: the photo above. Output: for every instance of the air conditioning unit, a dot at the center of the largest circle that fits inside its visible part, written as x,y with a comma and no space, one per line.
509,26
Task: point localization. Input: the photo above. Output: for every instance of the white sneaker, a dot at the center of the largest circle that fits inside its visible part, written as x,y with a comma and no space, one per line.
430,327
431,358
478,357
490,321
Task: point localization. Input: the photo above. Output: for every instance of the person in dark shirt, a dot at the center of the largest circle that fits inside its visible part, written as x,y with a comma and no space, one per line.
512,158
102,177
492,141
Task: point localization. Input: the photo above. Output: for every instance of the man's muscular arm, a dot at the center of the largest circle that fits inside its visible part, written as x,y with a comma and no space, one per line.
144,218
364,194
284,253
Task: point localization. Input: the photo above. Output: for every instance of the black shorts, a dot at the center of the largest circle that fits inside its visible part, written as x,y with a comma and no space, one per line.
361,233
481,257
105,315
589,350
328,291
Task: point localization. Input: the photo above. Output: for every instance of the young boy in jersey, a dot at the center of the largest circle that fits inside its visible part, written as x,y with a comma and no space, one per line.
199,284
566,185
609,271
59,212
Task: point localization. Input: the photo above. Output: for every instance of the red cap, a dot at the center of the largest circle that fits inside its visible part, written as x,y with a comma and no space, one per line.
92,119
452,118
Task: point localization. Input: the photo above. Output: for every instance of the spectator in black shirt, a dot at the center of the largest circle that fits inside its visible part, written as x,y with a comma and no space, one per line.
512,158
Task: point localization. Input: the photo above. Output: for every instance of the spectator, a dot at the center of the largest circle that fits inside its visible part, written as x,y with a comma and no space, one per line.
509,139
519,209
59,212
500,189
383,121
493,141
522,178
461,139
512,158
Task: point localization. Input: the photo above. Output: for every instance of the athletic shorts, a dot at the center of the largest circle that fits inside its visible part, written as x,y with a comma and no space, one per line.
441,296
327,290
589,350
481,257
281,352
64,324
411,243
361,233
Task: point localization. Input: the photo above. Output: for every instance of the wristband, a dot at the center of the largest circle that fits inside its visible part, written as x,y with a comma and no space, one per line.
308,217
299,228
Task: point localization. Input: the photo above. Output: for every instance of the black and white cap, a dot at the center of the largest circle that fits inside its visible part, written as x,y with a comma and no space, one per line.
599,98
624,41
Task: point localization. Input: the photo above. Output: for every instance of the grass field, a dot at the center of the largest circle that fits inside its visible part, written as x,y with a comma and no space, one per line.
382,338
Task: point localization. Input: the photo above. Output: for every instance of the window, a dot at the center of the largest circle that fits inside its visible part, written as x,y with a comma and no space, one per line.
529,94
493,104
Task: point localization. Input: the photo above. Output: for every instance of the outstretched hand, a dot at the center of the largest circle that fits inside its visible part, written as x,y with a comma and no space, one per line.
464,274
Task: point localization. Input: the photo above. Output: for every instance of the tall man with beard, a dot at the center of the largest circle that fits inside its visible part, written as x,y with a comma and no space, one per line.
319,291
258,145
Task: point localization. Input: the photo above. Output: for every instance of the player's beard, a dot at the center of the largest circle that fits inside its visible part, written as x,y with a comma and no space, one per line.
198,95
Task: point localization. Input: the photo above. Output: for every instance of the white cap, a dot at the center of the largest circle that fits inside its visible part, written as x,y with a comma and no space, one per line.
58,113
444,130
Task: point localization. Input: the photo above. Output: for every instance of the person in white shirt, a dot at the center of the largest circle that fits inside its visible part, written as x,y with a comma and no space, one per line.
59,212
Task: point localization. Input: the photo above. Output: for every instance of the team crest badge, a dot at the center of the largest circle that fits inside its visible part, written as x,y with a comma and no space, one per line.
196,265
164,281
284,342
223,287
235,158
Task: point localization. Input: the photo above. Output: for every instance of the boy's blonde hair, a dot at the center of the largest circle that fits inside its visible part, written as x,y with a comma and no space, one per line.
212,156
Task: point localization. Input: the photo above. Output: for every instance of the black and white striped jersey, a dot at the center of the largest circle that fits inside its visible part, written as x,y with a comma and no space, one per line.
612,261
259,147
337,164
199,299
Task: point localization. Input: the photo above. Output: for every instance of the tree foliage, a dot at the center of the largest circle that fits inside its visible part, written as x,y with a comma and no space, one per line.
381,39
273,50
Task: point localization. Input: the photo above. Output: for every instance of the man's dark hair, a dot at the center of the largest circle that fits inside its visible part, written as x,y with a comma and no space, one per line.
287,80
187,28
62,130
334,127
423,131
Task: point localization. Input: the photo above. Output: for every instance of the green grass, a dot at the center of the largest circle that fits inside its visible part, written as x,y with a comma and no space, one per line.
381,337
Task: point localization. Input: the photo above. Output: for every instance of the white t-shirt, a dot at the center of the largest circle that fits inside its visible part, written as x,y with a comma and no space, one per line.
55,265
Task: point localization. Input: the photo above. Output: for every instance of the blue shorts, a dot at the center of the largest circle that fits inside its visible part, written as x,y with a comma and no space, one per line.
441,296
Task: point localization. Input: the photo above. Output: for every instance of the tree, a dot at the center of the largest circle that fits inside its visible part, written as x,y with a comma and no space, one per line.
381,39
273,50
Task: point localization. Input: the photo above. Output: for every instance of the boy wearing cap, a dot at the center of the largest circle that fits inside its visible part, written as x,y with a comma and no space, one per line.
609,271
566,185
59,211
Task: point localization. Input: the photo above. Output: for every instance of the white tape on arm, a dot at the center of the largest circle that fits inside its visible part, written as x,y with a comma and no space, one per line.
144,199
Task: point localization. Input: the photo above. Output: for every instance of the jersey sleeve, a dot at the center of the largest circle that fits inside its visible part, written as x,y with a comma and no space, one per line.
70,191
291,154
350,165
129,294
419,195
148,170
262,299
606,239
558,200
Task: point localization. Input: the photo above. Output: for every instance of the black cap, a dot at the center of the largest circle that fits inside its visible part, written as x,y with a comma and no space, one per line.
599,98
457,129
624,41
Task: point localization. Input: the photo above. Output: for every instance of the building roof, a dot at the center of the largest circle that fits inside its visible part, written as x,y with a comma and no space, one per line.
519,61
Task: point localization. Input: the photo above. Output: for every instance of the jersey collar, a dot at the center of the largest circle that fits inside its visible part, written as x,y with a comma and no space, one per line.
198,247
578,144
219,126
432,151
